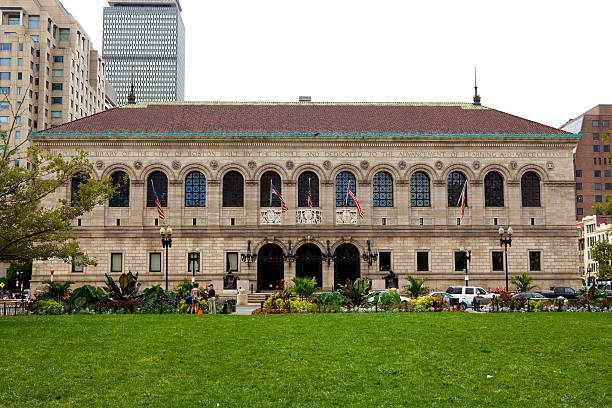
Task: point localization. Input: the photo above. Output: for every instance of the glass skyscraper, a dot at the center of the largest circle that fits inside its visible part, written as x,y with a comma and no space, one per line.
144,42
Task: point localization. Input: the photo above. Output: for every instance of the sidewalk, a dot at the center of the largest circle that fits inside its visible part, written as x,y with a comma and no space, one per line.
245,310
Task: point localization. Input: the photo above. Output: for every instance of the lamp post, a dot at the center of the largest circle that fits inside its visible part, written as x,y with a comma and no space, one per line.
468,258
290,257
369,257
248,257
328,256
166,238
505,240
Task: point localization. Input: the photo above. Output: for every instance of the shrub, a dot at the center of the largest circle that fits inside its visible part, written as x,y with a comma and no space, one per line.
356,293
329,301
86,296
128,286
415,287
304,287
56,290
183,289
156,292
50,307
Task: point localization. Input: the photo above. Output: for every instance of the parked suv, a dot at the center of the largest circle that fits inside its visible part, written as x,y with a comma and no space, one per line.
466,295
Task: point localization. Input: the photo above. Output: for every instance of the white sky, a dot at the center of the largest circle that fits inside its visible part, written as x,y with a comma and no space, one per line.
545,60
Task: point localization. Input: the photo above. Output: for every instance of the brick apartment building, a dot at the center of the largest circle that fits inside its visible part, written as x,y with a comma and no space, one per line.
592,166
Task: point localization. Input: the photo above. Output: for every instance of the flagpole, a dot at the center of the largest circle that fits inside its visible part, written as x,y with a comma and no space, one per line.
270,192
309,194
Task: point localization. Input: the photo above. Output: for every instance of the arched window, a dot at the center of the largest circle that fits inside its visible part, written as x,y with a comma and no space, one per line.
75,184
494,189
382,187
233,189
343,181
195,190
454,184
530,189
160,181
266,198
419,190
121,198
308,181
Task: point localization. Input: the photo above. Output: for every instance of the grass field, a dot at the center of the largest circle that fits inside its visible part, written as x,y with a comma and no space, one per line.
334,360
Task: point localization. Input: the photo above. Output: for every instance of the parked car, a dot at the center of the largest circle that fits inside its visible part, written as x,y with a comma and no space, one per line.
445,296
529,295
564,291
466,295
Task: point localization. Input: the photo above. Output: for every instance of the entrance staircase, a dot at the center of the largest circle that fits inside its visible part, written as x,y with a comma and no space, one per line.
257,298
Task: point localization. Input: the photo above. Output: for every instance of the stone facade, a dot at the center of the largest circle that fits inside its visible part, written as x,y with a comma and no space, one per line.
403,230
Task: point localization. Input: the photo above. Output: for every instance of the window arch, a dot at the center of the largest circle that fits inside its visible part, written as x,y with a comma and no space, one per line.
160,181
233,189
530,189
494,189
382,188
454,184
195,189
343,181
420,190
266,198
75,184
121,197
308,180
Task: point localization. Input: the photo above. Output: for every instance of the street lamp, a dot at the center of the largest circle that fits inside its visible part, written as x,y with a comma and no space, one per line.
290,257
468,258
505,240
248,257
328,256
166,238
369,257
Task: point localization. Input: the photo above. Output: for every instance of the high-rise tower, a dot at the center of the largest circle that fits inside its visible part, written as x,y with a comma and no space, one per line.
145,40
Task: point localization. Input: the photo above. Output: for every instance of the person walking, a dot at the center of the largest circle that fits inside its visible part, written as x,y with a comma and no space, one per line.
212,305
195,299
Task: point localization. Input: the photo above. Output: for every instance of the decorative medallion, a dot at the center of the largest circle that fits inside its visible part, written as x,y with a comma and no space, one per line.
439,165
137,164
402,165
252,165
476,165
99,164
513,165
176,164
364,164
214,164
327,165
550,165
289,165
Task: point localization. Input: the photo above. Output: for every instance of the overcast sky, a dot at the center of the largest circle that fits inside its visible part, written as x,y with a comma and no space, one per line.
545,60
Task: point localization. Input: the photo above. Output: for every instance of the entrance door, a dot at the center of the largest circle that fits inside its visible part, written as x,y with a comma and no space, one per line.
308,263
270,267
346,264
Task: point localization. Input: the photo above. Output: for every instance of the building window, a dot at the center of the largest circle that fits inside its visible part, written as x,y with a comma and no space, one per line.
6,47
5,90
419,190
34,22
595,136
382,190
64,34
5,62
608,186
193,262
75,261
597,186
56,100
460,261
5,76
5,105
608,173
384,261
422,261
233,189
597,173
344,180
595,123
58,58
455,183
116,262
579,198
266,198
231,262
530,189
57,73
605,123
606,148
497,260
57,86
596,148
534,261
579,211
56,114
121,197
75,185
308,181
159,180
598,199
35,38
4,120
195,190
494,189
155,262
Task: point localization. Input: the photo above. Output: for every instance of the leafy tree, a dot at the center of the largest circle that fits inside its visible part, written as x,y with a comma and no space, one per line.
523,282
33,226
415,287
602,253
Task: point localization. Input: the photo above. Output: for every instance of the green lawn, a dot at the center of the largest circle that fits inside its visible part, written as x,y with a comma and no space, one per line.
347,360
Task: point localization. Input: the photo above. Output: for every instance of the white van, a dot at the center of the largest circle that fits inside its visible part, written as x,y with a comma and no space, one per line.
466,295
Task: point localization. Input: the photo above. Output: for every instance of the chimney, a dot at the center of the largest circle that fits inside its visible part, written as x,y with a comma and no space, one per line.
305,99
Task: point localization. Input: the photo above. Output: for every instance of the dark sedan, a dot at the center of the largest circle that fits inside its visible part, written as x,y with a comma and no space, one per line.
529,295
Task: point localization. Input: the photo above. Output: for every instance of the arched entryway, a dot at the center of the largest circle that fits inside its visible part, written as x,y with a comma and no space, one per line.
346,264
270,267
308,263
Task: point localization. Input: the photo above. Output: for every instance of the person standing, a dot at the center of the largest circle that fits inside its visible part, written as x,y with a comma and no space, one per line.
212,305
195,299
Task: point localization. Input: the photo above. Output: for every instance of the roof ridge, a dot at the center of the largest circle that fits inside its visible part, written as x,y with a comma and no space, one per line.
464,105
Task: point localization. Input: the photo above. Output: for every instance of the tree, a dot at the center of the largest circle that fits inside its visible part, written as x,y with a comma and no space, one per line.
602,253
31,230
523,282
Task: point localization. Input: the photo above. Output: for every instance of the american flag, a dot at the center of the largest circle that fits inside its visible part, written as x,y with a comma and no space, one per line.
463,198
160,210
284,207
354,197
309,199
